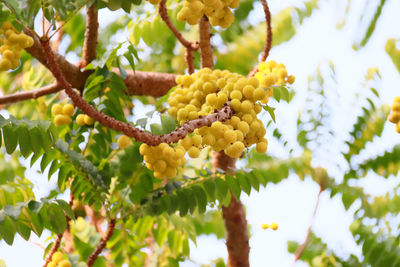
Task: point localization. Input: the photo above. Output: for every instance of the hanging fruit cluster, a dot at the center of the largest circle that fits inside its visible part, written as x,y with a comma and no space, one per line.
11,50
200,94
218,11
394,116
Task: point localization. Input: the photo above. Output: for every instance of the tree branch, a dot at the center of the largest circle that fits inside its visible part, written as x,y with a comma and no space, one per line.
91,35
53,249
237,238
103,242
268,40
303,246
33,94
220,115
138,83
162,10
206,50
189,58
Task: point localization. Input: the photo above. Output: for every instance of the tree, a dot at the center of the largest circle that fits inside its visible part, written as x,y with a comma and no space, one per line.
129,184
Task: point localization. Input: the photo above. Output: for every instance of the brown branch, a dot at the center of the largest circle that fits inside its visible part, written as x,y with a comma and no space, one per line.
220,115
162,10
206,50
138,83
33,94
237,238
268,40
102,244
53,249
303,246
189,58
91,36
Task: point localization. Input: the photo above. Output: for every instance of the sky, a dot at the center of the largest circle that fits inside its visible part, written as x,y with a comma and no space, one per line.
291,202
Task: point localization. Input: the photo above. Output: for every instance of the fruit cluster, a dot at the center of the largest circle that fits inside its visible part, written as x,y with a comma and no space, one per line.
163,159
58,260
11,50
394,116
83,119
271,73
273,226
62,113
201,93
218,11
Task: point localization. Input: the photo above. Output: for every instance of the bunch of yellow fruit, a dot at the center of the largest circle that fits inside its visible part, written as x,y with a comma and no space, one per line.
11,50
271,73
83,119
62,113
58,260
218,11
273,226
163,159
394,116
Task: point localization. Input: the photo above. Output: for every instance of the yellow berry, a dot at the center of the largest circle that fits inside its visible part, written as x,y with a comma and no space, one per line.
52,264
264,226
193,152
291,79
60,120
160,166
80,119
243,127
64,263
394,117
124,141
68,109
88,120
396,106
57,257
236,94
56,109
262,147
197,140
274,226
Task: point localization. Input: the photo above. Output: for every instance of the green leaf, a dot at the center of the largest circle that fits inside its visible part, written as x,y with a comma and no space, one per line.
57,218
209,187
10,138
270,111
7,229
244,183
222,189
201,198
156,129
168,123
66,207
24,141
233,185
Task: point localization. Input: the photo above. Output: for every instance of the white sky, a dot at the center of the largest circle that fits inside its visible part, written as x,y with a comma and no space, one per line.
291,203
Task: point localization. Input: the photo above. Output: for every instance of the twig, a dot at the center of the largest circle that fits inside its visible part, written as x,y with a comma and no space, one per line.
66,21
268,40
33,94
138,83
220,115
162,10
189,58
37,244
206,50
53,250
91,36
303,246
103,242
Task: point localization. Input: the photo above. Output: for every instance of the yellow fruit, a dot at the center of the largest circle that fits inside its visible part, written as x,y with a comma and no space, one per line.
5,64
57,257
64,263
398,128
193,152
88,120
60,120
56,109
124,141
68,109
264,226
80,119
274,226
262,147
394,117
396,106
52,264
